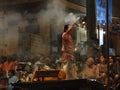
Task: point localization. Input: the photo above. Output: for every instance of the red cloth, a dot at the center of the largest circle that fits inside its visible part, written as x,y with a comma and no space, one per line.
67,42
7,66
66,56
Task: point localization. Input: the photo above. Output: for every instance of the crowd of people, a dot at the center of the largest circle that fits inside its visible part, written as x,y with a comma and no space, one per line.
13,70
98,70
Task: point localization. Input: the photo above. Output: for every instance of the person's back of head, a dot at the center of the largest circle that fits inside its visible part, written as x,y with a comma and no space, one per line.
66,27
11,73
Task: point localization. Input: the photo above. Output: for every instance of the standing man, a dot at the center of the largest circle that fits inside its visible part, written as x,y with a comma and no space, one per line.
68,60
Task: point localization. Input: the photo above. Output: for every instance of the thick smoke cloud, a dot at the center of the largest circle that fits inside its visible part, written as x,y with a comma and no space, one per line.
56,11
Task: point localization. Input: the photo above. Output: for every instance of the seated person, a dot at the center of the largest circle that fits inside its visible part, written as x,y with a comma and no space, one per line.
12,79
3,80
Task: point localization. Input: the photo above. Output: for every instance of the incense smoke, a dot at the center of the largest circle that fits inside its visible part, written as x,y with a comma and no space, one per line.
56,11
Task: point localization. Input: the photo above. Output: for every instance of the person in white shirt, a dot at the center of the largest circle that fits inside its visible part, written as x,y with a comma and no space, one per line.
11,79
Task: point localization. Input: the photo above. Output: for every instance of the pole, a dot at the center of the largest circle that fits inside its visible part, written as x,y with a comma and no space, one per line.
107,44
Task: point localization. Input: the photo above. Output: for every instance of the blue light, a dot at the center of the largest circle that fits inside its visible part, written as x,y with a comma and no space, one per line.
101,11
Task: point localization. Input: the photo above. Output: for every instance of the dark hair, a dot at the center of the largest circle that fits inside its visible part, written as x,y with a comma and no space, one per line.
112,57
12,72
66,27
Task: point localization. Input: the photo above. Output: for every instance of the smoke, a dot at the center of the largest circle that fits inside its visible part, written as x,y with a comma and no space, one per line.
13,19
56,13
70,18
